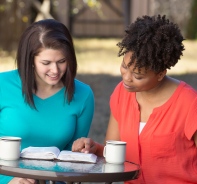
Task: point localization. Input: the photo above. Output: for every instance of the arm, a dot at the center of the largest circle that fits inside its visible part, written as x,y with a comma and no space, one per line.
87,145
14,180
112,130
5,179
84,119
22,180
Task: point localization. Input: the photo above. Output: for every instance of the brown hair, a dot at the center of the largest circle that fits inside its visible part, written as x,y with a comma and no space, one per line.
47,33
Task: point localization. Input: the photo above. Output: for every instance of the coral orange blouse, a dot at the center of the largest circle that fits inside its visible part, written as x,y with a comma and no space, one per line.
164,149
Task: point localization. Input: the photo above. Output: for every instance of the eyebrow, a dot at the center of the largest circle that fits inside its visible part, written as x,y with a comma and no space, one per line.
133,71
138,73
56,61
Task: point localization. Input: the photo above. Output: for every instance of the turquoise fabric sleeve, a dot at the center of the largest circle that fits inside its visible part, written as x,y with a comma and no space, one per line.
84,119
5,179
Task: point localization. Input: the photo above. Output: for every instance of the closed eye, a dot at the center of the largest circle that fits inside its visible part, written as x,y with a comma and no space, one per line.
45,63
62,61
138,78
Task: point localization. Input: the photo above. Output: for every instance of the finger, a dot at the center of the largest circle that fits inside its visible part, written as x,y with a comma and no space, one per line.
87,144
90,146
22,181
78,145
32,181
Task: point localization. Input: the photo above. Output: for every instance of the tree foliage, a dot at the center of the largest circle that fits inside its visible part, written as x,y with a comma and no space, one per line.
14,16
192,24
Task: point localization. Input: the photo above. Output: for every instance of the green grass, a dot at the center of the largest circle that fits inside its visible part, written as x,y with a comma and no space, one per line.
100,56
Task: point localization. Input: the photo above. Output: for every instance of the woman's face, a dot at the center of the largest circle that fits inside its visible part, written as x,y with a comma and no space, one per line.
135,81
49,65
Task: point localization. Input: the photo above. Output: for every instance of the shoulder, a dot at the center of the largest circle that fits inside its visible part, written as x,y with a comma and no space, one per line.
121,96
117,89
8,75
187,90
121,92
83,93
79,85
82,89
184,96
9,81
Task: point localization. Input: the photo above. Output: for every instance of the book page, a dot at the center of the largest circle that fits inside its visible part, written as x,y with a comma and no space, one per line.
77,156
45,153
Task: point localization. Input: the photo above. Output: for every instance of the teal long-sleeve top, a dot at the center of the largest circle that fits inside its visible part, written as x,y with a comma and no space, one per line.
55,122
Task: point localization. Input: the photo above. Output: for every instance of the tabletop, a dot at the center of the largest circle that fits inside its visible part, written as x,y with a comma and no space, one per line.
70,171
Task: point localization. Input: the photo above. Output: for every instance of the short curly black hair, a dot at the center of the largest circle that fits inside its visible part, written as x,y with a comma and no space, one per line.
155,43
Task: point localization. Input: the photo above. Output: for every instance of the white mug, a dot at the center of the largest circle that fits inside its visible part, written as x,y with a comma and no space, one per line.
10,148
10,163
114,152
111,168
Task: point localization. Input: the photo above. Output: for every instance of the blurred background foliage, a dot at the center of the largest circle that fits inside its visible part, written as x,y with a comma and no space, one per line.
192,23
16,15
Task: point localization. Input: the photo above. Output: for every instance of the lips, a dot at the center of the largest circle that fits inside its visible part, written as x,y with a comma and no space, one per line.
129,88
55,77
126,86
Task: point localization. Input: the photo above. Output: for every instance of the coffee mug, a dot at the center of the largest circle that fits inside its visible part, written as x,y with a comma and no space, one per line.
10,148
112,168
10,163
114,152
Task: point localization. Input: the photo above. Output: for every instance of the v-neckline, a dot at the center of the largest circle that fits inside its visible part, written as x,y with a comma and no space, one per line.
50,97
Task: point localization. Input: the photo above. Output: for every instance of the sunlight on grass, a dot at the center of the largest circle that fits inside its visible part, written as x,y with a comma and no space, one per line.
188,62
100,56
97,56
7,62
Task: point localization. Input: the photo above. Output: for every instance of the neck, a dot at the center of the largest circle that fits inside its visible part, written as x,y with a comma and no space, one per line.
162,91
45,91
157,89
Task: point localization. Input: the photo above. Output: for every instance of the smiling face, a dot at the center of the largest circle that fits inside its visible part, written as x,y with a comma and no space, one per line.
137,81
49,65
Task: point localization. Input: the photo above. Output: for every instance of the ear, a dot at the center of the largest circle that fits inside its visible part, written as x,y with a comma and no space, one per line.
161,75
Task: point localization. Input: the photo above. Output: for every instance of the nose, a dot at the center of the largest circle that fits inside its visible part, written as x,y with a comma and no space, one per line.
54,68
127,76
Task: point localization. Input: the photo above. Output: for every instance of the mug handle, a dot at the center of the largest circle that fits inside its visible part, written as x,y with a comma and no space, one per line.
104,151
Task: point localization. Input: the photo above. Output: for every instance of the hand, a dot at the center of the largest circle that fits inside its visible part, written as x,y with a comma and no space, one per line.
22,181
84,145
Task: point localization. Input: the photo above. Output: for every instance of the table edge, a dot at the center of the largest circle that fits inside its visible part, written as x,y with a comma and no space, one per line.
68,176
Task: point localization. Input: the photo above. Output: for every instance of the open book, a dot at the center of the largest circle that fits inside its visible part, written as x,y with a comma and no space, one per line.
53,153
